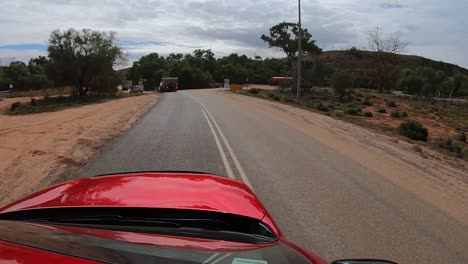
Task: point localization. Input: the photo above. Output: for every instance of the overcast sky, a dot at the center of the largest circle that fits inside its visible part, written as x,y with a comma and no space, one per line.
434,29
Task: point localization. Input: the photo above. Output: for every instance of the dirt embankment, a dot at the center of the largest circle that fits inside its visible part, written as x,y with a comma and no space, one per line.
39,150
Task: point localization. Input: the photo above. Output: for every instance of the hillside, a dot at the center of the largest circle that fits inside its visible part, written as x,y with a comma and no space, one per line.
365,60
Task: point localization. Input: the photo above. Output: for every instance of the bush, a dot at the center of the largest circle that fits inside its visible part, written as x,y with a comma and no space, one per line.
271,95
382,110
276,98
323,107
285,85
339,114
448,144
254,91
15,105
351,111
288,100
391,104
462,137
33,101
404,115
368,114
341,81
395,114
413,130
367,102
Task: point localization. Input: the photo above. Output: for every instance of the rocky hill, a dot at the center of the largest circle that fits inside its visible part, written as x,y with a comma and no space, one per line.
356,59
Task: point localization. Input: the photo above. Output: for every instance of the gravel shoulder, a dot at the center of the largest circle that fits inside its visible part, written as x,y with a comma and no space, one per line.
44,149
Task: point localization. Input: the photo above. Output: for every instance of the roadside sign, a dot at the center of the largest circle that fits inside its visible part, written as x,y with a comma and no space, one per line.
11,86
226,84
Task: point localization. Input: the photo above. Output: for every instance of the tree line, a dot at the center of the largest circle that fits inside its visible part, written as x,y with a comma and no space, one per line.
202,69
84,59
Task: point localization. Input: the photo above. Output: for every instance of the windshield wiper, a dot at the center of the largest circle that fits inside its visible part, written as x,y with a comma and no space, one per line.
105,220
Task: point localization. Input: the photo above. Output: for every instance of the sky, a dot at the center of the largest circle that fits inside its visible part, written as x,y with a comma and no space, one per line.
433,29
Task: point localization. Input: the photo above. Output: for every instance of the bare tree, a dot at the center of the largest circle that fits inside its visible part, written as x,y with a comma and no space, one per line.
384,49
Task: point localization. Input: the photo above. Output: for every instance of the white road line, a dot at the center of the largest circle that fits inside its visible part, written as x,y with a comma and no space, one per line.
227,166
239,168
210,258
221,258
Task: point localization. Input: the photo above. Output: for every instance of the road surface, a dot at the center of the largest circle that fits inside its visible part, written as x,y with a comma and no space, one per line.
320,198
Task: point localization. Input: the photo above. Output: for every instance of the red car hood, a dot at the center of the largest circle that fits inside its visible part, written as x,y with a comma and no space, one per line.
149,190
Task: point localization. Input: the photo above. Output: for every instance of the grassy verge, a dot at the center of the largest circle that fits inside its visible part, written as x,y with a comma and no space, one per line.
447,123
52,104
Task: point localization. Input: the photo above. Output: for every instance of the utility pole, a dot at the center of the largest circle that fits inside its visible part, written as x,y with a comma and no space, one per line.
299,56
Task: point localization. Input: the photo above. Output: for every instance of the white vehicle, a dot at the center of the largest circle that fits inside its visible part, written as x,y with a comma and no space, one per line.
138,88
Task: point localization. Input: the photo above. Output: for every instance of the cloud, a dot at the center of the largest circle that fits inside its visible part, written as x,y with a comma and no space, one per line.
392,5
434,29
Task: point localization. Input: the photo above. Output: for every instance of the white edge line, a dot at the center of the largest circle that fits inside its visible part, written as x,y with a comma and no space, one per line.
227,166
210,258
233,156
221,258
241,171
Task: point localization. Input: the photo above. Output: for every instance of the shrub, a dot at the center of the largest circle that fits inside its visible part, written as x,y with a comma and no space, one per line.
462,137
331,106
254,91
33,101
351,111
285,85
395,114
391,104
271,95
368,114
448,144
276,98
382,110
310,105
288,100
404,115
341,81
15,105
339,114
350,105
323,107
413,130
367,102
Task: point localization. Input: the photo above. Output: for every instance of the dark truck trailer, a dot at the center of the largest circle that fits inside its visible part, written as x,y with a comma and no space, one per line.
170,84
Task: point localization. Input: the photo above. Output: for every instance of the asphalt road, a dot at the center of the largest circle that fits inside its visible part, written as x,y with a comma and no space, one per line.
320,199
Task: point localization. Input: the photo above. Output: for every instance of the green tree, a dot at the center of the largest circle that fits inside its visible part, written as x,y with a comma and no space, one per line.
4,78
18,74
410,81
460,83
190,77
285,37
79,58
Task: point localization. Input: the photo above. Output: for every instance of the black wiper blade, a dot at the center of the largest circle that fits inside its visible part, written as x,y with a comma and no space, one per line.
105,220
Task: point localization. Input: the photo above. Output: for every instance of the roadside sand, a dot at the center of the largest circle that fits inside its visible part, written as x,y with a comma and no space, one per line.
439,180
39,150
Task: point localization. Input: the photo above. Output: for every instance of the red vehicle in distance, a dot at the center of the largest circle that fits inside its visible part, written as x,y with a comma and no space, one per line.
147,218
278,80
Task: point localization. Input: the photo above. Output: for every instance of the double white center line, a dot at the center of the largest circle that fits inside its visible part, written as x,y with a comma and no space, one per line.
214,127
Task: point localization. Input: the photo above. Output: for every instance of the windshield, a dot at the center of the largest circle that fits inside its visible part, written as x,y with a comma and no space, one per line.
171,81
89,246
